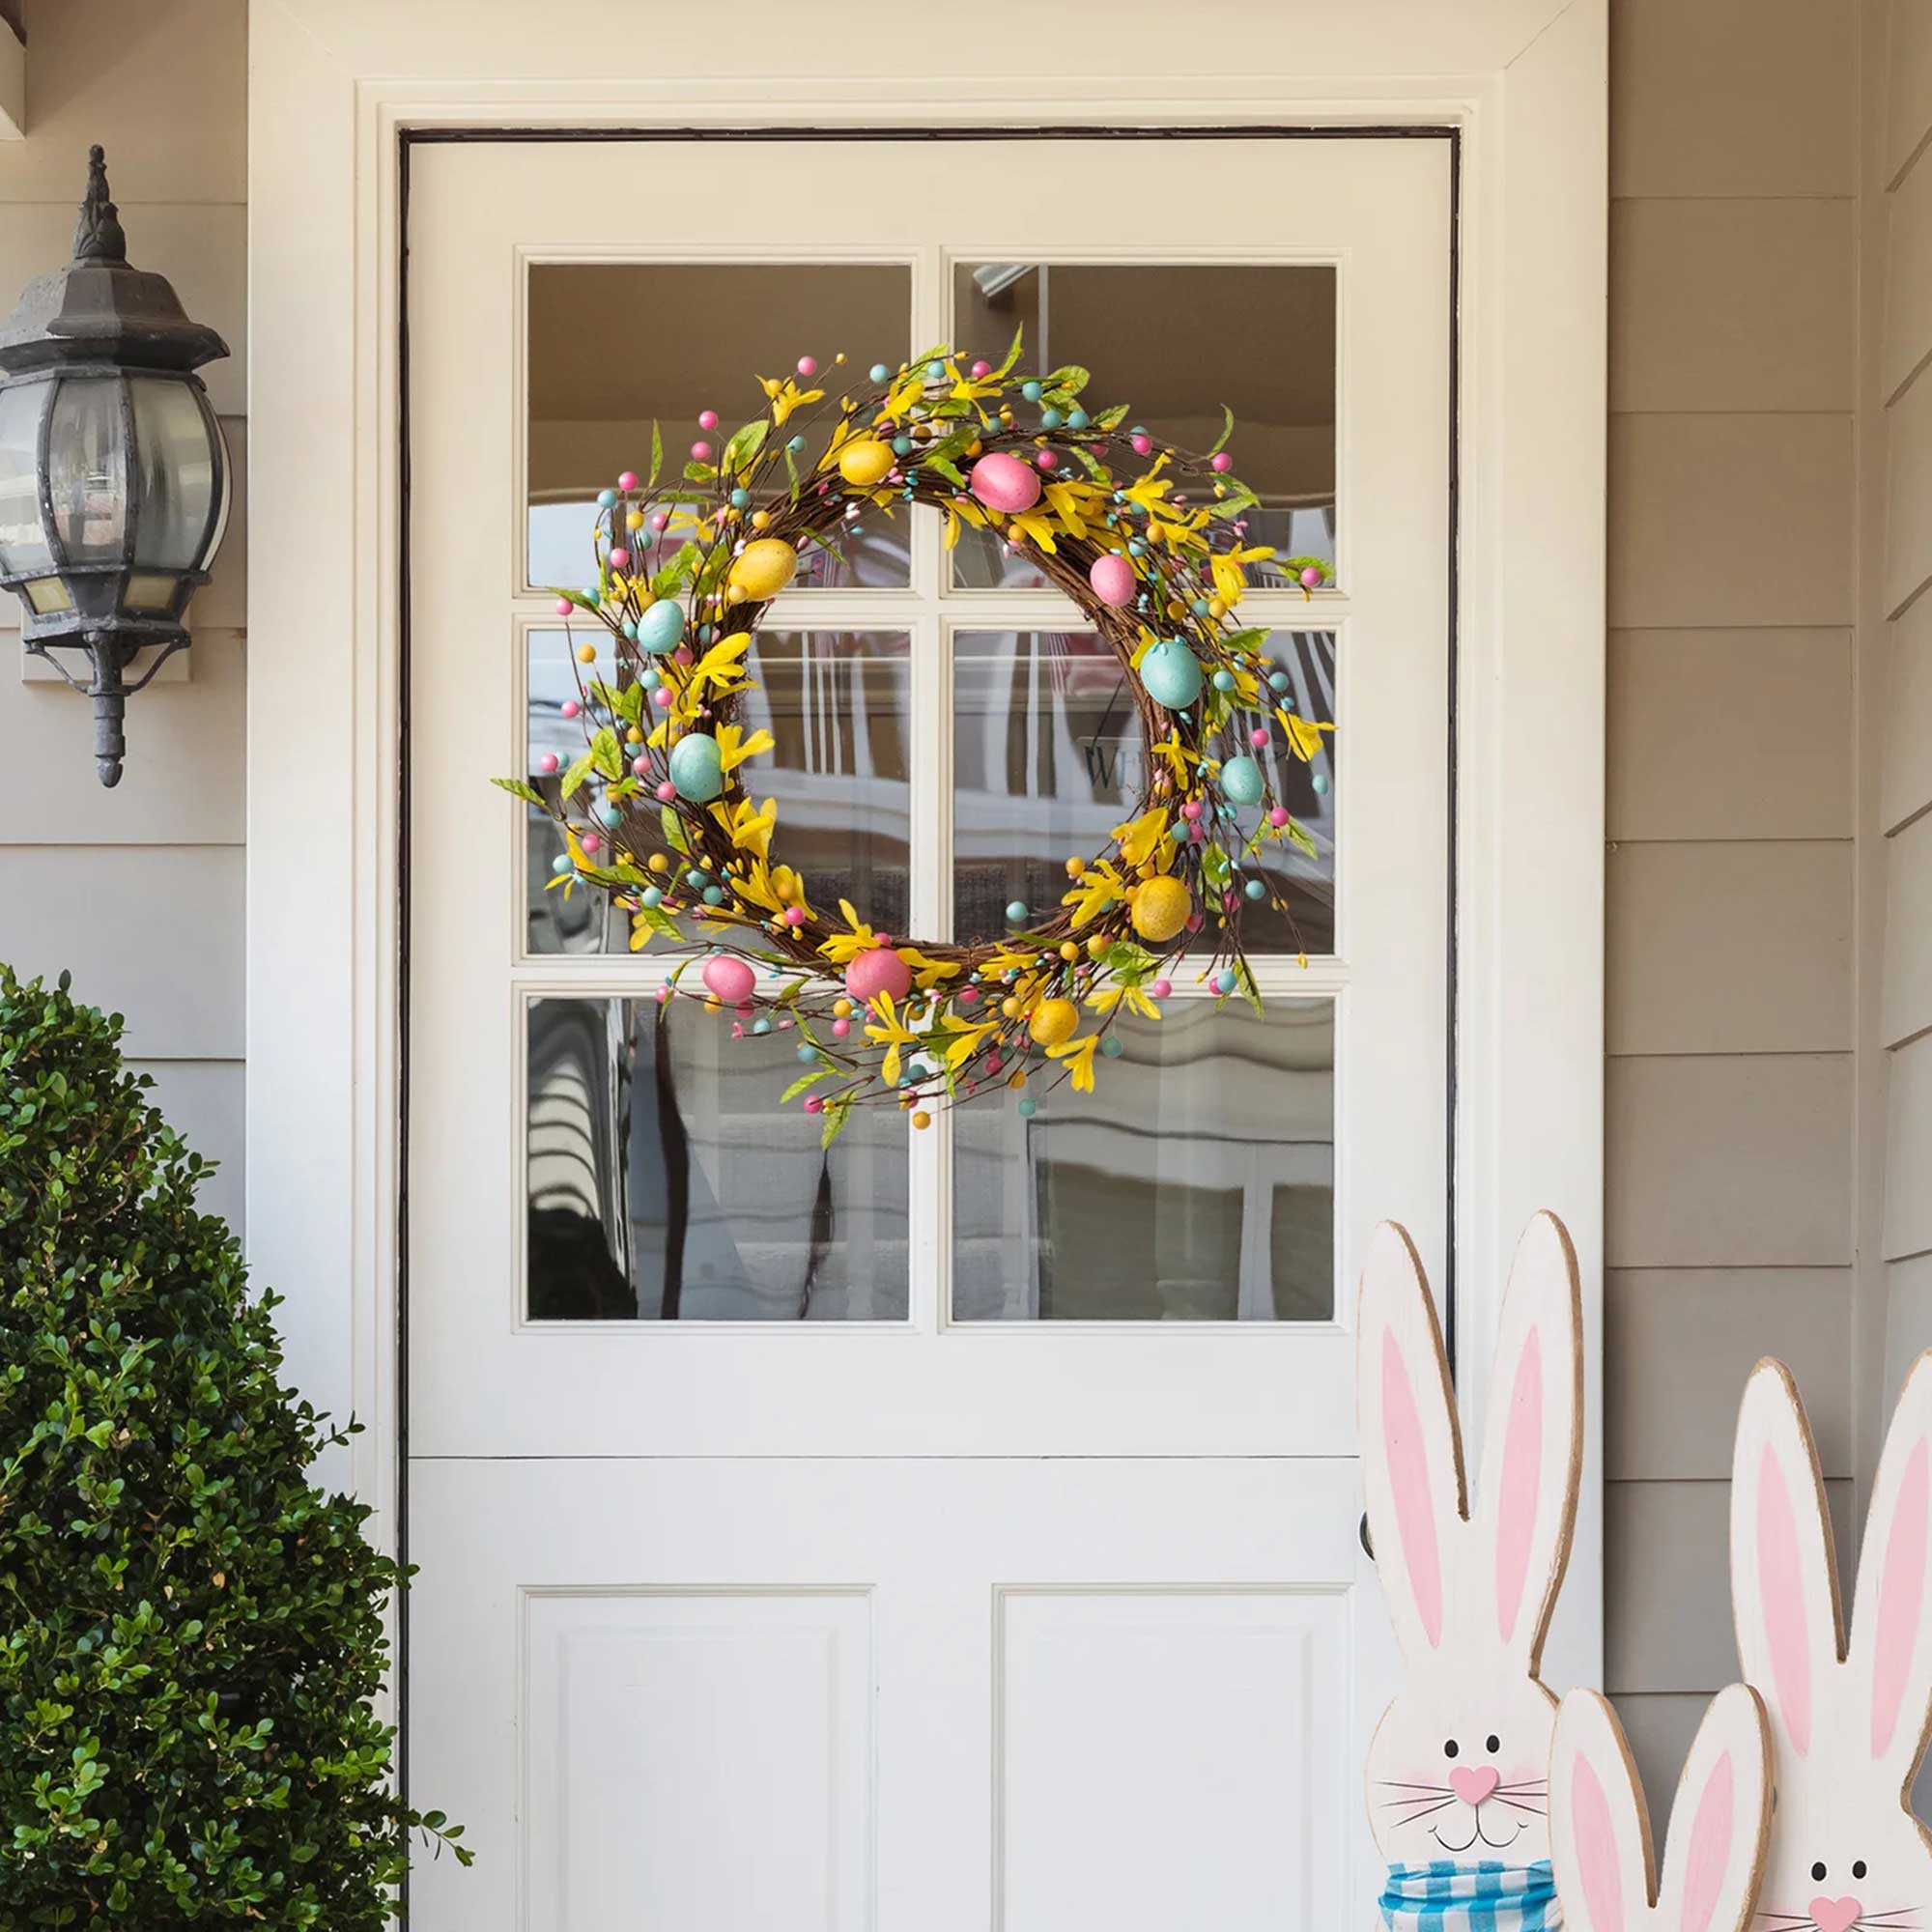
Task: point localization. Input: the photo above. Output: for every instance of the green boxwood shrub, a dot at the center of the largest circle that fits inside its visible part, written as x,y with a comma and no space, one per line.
191,1634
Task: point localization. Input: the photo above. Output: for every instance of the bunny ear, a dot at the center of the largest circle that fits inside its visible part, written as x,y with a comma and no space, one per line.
1412,1451
1892,1633
1599,1836
1784,1590
1721,1820
1533,1444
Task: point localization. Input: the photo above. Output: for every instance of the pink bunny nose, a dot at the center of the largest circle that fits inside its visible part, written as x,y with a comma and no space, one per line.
1833,1915
1472,1784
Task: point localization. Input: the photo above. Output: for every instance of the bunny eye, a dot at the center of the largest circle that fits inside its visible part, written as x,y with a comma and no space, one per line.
1858,1868
1492,1744
1450,1748
1818,1871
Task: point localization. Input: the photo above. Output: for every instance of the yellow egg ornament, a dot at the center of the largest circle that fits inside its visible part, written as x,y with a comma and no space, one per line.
762,569
864,462
1160,907
1053,1022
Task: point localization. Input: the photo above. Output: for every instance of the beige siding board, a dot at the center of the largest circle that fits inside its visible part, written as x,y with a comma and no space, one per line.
1908,278
1729,948
1909,97
152,932
1908,1178
185,778
1728,1161
1908,933
203,251
1908,1303
1730,305
1908,723
202,1100
1728,518
1677,1342
1731,98
1670,1621
1731,734
1660,1727
1907,518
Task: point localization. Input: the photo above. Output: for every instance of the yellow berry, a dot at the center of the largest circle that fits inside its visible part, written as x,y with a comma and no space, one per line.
760,519
586,654
921,1119
1097,945
1010,1008
1075,867
659,862
634,520
735,594
1054,1021
1068,951
1217,608
841,1009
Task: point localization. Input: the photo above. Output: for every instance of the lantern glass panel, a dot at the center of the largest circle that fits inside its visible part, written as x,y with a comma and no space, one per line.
174,455
23,539
87,469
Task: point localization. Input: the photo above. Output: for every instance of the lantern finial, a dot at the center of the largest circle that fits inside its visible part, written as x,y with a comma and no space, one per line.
99,235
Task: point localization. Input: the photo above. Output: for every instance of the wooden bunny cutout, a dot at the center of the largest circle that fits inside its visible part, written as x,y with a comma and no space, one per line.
1459,1763
1847,1726
1599,1831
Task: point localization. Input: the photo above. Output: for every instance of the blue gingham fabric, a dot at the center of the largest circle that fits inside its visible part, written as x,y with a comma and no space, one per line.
1483,1895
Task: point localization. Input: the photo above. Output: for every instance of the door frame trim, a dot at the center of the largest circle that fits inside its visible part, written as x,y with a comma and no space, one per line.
335,85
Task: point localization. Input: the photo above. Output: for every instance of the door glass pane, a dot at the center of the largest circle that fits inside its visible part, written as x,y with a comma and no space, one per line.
1047,759
1154,335
663,1186
616,345
1195,1183
838,704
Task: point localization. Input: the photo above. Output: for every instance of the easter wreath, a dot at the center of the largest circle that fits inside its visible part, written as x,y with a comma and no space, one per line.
1147,542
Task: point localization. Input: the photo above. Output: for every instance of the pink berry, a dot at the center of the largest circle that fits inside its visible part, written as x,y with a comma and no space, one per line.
981,369
660,697
1161,988
1191,810
794,915
707,418
546,763
1277,818
807,365
1143,444
663,996
1311,577
659,519
619,557
628,480
591,843
968,995
813,1104
1221,460
1194,921
667,791
840,1028
640,766
682,655
564,607
1047,460
570,708
1195,835
994,1064
701,451
1257,737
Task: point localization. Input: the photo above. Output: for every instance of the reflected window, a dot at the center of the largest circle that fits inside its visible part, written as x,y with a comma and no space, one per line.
664,1186
1195,1183
1148,333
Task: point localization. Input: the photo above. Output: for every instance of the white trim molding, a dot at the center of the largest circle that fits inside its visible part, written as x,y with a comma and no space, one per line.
333,86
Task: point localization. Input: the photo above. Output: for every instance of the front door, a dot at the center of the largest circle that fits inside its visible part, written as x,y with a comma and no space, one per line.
941,1530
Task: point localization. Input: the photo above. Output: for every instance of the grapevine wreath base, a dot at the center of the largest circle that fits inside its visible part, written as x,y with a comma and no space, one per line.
1145,539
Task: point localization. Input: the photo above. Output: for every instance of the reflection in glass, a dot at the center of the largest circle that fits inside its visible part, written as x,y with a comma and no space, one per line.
87,470
838,704
1047,759
614,346
663,1186
1146,332
23,541
1195,1183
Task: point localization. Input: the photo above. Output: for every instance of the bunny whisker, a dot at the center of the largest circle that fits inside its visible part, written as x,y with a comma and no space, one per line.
1522,1805
1405,1784
1426,1804
1416,1817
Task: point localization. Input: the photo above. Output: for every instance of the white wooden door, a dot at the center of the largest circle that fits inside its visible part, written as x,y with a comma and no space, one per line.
959,1529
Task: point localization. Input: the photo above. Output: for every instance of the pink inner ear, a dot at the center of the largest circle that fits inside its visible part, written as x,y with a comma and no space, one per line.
1781,1595
1522,1483
1597,1862
1710,1848
1408,1479
1900,1594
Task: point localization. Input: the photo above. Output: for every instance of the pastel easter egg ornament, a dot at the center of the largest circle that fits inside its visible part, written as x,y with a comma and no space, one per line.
762,569
1160,907
877,970
1241,781
1112,580
728,978
1004,483
1171,674
696,769
1053,1022
660,629
864,462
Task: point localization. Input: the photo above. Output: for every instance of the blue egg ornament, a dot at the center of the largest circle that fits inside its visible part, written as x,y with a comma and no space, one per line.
660,629
696,769
1241,781
1171,674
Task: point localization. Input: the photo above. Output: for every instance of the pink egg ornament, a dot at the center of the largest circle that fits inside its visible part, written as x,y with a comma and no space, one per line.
1004,483
1111,577
729,978
877,970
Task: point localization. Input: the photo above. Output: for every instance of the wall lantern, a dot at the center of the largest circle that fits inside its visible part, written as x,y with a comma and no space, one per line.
114,477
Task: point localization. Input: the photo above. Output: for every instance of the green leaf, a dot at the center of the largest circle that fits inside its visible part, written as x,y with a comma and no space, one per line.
657,456
791,471
669,579
1227,429
745,445
1069,380
517,788
1012,354
1111,418
576,771
1298,836
836,1113
804,1081
1128,963
605,755
699,473
946,469
938,354
673,829
1237,497
1091,462
659,921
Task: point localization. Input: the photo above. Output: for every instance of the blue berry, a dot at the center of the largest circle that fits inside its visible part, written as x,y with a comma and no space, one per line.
1032,391
1050,418
879,372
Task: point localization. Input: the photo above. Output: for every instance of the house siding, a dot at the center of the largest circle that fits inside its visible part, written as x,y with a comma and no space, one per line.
1732,1079
138,890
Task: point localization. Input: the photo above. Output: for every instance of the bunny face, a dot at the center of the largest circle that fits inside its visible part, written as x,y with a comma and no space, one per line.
1458,1767
1600,1831
1847,1723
